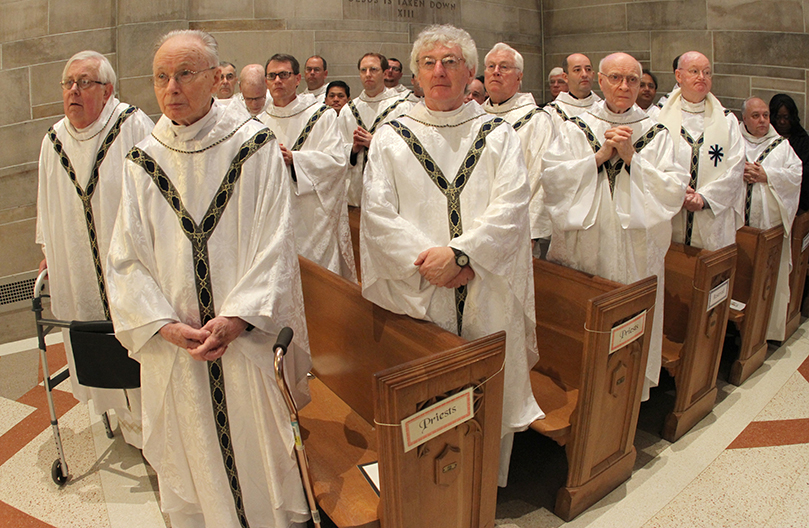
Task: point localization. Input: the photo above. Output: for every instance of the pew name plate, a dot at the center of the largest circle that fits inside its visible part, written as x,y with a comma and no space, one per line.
626,332
437,419
718,294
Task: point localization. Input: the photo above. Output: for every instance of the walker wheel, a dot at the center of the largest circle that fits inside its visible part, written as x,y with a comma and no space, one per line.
56,473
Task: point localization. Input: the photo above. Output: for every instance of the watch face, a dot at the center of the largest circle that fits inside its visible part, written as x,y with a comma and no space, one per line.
462,260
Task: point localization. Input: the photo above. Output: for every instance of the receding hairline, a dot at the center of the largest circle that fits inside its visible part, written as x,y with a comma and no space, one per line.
747,101
566,61
689,56
207,50
612,57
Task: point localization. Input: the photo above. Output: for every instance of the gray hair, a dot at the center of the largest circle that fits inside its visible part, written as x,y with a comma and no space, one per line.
448,36
612,56
554,72
744,103
519,62
210,49
105,72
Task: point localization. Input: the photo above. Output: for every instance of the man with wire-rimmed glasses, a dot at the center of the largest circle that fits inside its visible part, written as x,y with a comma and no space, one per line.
444,233
80,174
203,274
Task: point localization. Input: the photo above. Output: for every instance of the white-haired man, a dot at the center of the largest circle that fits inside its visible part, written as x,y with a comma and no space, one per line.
503,71
772,174
709,145
375,106
444,233
203,274
253,95
557,82
313,153
80,177
579,96
612,186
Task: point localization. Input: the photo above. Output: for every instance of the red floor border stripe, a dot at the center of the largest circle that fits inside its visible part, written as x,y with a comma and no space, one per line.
773,433
12,517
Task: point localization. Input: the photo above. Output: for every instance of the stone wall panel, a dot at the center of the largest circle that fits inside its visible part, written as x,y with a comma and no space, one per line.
20,250
135,11
619,41
70,15
136,44
218,10
784,85
759,70
668,44
680,14
731,86
23,20
57,47
21,141
139,91
48,110
14,87
19,192
773,49
757,15
257,46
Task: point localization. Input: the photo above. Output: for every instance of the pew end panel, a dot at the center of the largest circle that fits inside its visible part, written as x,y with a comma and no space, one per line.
693,334
354,227
797,276
444,481
758,257
591,396
376,366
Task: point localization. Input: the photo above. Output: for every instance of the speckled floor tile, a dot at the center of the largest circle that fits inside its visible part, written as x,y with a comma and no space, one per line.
793,510
791,402
11,413
741,488
25,478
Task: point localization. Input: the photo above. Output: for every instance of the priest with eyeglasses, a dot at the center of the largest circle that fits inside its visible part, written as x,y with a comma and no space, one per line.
80,179
203,274
444,233
612,186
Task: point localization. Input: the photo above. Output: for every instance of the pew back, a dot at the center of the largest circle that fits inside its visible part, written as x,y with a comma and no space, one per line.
797,276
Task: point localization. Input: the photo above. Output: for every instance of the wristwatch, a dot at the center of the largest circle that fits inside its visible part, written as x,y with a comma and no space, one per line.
461,258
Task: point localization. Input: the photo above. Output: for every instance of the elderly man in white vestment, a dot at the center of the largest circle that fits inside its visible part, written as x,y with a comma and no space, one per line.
361,117
203,274
580,96
313,153
709,146
612,186
444,235
503,71
772,174
254,95
80,177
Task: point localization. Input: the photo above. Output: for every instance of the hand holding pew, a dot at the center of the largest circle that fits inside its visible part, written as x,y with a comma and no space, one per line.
698,287
588,386
759,255
374,368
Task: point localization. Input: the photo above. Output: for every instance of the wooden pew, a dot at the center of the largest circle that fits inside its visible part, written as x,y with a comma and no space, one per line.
758,257
376,367
354,227
697,303
797,276
591,397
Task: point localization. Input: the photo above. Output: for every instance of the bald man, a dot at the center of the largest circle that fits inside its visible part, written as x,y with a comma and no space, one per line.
772,176
579,98
709,146
612,186
254,96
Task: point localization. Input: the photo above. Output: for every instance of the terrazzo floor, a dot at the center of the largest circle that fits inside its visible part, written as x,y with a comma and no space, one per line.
745,465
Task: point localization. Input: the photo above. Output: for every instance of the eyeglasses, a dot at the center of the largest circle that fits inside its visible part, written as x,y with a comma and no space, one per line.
616,79
82,84
693,72
395,68
372,69
283,75
450,62
504,69
161,80
229,76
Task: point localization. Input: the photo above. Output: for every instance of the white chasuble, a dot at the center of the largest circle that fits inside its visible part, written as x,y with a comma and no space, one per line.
317,177
566,106
368,113
772,203
62,227
318,93
615,221
709,147
535,130
404,212
205,229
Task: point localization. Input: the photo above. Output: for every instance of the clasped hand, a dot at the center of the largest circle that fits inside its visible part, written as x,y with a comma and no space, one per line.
616,139
438,266
207,343
362,139
754,173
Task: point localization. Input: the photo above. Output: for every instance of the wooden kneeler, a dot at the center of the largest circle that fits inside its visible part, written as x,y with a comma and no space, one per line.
698,287
758,258
374,368
590,393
